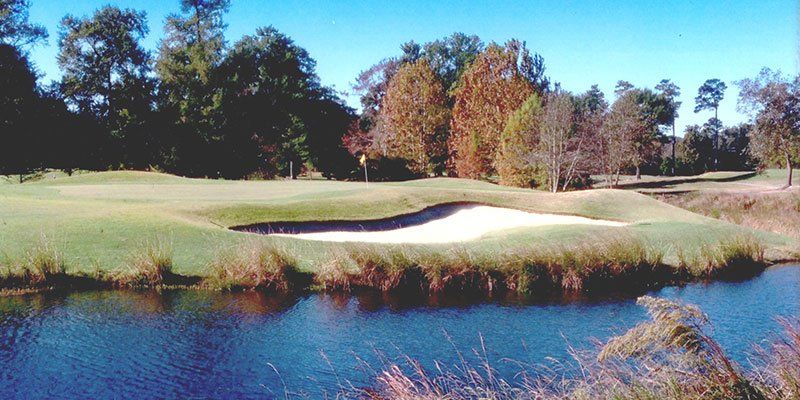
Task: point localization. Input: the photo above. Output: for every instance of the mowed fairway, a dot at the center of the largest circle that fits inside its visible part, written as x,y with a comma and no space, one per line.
101,220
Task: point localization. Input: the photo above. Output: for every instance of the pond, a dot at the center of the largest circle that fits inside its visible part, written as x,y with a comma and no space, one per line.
122,344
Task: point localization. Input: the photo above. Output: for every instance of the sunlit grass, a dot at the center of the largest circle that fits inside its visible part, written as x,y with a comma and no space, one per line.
100,219
253,265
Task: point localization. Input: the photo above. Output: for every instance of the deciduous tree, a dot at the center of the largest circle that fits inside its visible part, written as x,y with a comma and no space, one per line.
272,106
416,114
450,56
516,143
592,109
559,144
193,47
774,102
15,29
491,89
626,123
18,99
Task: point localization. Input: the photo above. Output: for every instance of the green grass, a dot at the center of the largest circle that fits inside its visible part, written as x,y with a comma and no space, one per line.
98,221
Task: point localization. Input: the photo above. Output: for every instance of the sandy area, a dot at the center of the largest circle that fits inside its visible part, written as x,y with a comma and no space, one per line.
464,225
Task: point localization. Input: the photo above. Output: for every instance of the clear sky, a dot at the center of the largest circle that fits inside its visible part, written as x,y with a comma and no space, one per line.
582,42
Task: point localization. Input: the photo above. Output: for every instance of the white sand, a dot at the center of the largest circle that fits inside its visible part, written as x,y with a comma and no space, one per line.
464,225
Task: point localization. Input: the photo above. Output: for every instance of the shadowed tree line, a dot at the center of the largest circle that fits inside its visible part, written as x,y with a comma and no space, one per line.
255,108
198,107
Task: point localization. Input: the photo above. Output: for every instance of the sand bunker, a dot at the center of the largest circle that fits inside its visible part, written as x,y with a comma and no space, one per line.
444,224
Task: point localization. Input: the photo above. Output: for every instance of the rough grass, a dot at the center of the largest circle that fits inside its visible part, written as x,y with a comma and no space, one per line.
150,265
737,256
742,181
777,212
522,270
650,181
671,356
254,265
619,263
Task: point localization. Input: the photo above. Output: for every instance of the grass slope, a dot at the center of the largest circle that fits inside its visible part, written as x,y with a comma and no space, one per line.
730,181
101,220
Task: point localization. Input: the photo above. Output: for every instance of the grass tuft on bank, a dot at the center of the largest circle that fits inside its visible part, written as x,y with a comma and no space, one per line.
255,265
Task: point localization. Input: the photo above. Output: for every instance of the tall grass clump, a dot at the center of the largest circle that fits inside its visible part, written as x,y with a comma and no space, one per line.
670,356
254,265
149,266
365,266
779,376
43,266
622,260
741,255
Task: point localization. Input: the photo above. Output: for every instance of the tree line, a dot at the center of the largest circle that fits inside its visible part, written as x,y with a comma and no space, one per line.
198,107
457,106
256,108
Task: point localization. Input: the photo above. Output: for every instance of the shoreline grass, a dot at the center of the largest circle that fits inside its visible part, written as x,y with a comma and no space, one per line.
254,265
99,221
619,264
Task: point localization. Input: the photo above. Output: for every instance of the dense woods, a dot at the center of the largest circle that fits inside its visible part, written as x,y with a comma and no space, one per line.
199,107
255,108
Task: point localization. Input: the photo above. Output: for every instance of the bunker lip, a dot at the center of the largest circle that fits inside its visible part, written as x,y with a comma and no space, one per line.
443,223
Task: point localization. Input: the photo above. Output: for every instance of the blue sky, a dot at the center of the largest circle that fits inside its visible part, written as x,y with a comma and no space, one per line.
582,42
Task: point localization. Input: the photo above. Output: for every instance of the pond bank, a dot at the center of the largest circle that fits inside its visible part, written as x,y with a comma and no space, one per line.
180,344
521,271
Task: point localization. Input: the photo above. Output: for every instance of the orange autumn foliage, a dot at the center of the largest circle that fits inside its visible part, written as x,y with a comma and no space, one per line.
491,89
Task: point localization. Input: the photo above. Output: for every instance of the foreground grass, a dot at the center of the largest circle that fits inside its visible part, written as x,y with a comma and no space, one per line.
99,222
669,357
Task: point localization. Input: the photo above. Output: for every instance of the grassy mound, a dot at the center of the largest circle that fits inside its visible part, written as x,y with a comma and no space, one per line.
98,221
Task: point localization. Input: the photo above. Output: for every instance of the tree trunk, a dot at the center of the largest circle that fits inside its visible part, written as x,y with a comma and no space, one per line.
638,174
673,147
789,170
716,139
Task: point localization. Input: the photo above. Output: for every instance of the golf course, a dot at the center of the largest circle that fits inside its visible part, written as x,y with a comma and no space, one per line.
114,222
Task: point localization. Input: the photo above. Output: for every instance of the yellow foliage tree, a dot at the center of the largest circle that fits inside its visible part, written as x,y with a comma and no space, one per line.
415,112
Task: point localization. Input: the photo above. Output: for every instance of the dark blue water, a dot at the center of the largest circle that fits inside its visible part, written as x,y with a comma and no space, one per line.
192,343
